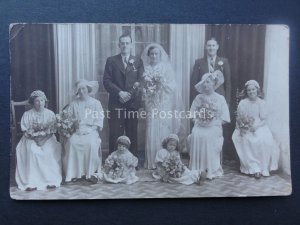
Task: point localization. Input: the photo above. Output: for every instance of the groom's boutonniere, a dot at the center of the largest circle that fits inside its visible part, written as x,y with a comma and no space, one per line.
220,64
131,63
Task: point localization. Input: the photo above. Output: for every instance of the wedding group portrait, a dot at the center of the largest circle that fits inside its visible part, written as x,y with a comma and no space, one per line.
105,111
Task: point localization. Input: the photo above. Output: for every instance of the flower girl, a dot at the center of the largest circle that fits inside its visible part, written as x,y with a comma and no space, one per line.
169,166
120,165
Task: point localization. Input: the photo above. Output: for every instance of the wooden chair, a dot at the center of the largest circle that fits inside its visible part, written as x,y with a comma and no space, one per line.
16,132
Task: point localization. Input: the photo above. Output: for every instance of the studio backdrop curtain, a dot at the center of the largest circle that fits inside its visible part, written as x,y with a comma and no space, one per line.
244,47
81,51
32,61
276,86
187,43
75,51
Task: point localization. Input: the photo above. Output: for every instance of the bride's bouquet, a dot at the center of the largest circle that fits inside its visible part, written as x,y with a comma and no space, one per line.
244,123
206,112
113,167
154,85
65,123
173,167
40,130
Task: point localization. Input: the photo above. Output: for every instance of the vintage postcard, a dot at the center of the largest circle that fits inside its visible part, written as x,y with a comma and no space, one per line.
112,111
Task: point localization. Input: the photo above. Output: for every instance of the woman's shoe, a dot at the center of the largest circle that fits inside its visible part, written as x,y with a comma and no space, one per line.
257,175
51,187
31,189
93,179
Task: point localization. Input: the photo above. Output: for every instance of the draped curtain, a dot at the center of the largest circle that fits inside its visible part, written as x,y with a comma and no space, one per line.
32,61
276,86
75,51
187,42
81,51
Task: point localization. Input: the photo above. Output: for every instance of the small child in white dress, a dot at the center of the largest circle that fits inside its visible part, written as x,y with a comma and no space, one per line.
170,167
120,165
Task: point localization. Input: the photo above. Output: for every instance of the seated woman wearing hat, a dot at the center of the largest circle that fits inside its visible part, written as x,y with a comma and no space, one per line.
252,138
120,165
38,152
82,158
208,111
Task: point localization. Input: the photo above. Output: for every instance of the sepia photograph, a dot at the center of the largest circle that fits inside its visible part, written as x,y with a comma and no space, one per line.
125,111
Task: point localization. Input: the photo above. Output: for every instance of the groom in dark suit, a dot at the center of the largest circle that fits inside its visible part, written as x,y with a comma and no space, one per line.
210,63
121,74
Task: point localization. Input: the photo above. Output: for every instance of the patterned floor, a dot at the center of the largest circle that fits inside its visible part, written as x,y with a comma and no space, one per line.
232,184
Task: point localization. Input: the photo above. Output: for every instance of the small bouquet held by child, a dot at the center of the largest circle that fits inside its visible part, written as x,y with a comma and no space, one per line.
173,167
113,167
66,124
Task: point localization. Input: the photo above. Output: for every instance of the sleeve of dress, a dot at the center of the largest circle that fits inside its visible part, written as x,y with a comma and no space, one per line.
133,161
25,122
196,103
263,110
225,116
160,156
98,121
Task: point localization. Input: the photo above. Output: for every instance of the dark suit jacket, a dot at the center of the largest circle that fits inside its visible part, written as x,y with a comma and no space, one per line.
201,67
116,78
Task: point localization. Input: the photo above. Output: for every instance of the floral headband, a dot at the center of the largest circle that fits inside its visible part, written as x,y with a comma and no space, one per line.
38,93
252,82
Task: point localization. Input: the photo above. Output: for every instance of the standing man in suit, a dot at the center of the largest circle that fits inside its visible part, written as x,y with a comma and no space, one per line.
209,63
121,74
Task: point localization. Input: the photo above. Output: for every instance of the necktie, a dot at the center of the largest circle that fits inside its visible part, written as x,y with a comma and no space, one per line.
125,61
212,65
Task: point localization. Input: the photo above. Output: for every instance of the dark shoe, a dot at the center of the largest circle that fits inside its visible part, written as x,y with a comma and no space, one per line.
51,187
257,175
93,179
31,189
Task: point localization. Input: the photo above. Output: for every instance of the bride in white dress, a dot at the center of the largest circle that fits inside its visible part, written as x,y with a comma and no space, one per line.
161,100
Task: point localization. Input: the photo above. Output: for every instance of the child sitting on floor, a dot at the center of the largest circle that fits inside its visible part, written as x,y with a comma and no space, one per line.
169,166
120,165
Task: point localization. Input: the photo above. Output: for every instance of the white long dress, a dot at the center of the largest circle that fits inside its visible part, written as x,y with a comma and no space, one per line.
82,156
188,177
159,124
38,166
206,141
257,151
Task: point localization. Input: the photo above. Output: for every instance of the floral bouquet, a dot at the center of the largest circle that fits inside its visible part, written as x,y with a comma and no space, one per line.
173,167
113,167
244,123
155,84
66,124
206,112
40,130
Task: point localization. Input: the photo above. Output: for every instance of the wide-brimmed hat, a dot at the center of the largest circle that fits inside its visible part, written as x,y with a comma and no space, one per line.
216,76
92,86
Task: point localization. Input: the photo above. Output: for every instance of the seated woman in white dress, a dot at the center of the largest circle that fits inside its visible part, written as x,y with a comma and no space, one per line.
120,165
209,111
252,138
169,167
82,158
38,152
